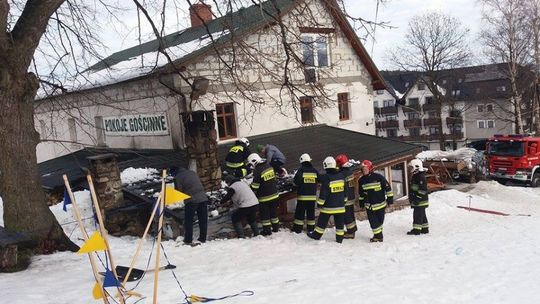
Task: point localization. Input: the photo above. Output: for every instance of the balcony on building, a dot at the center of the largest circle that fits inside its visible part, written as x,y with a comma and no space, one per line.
454,120
415,122
387,124
386,110
431,121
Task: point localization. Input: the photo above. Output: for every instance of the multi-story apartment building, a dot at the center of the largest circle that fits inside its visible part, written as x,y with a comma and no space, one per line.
476,106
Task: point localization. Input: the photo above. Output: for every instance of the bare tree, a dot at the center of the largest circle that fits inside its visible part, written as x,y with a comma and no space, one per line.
507,40
533,9
52,43
434,43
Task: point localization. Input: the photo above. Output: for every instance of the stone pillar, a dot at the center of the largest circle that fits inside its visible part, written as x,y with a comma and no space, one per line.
106,176
201,142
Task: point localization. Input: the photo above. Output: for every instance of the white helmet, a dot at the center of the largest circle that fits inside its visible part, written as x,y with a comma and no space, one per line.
305,158
329,163
245,141
416,165
254,159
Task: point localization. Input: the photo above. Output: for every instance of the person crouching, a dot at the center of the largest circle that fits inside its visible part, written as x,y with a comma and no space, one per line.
245,205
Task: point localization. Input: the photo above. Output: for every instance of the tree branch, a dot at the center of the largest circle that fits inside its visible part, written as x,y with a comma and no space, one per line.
30,27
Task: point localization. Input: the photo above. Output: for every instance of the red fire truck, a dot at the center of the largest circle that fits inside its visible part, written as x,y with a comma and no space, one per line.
514,158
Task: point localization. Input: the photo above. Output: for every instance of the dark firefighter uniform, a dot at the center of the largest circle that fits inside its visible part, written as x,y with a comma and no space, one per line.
350,219
265,187
235,161
419,202
374,193
305,180
331,202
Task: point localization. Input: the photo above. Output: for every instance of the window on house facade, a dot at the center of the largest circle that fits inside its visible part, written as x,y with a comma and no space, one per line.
490,124
226,120
456,129
43,129
413,102
444,81
306,109
429,100
456,92
375,104
481,124
343,106
389,103
501,88
380,92
391,132
489,108
433,130
72,127
414,131
480,108
413,115
391,117
421,86
315,55
100,130
460,80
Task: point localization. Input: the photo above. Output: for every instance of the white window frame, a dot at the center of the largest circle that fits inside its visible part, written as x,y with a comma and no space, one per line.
480,106
389,103
489,105
314,37
492,122
483,122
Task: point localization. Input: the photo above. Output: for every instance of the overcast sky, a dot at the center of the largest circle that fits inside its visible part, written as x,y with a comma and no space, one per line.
399,12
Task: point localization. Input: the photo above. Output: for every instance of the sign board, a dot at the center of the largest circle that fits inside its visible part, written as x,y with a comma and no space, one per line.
134,125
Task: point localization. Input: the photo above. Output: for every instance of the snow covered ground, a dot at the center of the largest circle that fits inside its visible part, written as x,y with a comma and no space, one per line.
468,257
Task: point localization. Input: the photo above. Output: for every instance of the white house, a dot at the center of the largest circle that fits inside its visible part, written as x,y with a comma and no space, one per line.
233,66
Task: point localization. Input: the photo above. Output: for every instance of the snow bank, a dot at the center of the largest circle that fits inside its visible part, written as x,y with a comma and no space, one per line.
132,175
469,257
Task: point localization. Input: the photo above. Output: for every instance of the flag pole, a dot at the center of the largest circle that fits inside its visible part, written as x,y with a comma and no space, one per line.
141,242
85,237
104,232
160,226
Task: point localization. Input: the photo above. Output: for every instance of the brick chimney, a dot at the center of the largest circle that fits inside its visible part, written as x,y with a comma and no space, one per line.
200,11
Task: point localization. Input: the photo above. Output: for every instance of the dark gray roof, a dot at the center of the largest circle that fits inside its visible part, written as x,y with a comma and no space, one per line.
238,23
321,141
74,164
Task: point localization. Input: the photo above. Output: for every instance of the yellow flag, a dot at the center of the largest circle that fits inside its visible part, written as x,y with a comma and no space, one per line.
94,243
173,196
97,292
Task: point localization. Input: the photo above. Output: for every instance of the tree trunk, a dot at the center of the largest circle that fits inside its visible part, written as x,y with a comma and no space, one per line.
25,207
439,103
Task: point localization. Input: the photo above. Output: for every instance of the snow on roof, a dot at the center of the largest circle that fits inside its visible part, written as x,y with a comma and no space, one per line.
141,65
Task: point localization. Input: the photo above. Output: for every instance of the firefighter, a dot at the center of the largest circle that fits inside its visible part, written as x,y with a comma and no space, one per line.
331,200
374,195
245,205
265,187
305,180
235,161
418,198
344,166
274,157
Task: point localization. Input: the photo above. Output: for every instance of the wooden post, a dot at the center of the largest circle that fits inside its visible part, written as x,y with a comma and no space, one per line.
77,214
141,242
103,232
160,225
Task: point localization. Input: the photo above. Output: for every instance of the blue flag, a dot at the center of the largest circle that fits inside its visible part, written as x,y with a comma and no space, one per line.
67,200
110,280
